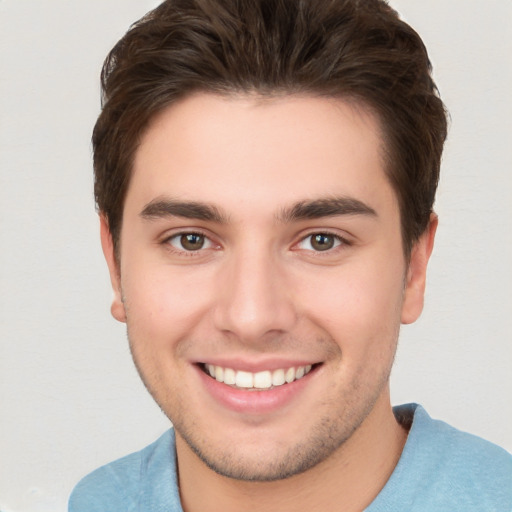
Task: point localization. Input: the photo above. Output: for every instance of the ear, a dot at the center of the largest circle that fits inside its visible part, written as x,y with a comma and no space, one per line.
107,244
417,273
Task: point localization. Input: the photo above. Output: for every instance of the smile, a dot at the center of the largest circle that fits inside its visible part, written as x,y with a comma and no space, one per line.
258,381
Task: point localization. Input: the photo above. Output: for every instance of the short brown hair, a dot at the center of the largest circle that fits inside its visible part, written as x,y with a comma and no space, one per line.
353,49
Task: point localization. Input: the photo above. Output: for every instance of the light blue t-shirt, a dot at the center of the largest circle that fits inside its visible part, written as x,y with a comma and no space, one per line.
440,470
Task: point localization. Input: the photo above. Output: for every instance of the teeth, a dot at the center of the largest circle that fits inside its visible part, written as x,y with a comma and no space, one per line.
229,376
260,380
244,380
278,378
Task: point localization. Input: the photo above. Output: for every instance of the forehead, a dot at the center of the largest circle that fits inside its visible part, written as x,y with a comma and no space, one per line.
265,152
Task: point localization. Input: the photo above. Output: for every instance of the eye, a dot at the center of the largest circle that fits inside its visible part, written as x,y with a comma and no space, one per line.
320,242
189,242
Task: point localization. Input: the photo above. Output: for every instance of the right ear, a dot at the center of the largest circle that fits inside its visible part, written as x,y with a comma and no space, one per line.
107,244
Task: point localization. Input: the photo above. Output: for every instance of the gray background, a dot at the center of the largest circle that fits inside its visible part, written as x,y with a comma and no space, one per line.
70,398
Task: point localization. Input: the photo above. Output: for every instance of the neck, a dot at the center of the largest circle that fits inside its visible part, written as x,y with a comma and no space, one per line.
348,480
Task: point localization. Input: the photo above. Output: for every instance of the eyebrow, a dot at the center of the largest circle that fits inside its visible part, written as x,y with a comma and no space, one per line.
326,207
167,207
302,210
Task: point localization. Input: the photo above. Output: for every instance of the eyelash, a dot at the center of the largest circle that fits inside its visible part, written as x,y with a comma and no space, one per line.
340,241
167,242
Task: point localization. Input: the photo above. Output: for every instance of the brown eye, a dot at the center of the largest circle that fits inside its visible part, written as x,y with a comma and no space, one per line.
192,241
322,242
189,242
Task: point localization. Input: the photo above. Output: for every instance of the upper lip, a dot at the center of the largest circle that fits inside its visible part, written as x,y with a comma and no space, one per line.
255,366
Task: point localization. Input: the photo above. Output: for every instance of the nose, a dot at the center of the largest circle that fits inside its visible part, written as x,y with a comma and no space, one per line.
253,301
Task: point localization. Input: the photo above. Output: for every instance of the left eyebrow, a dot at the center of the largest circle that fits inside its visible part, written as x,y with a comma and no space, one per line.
327,207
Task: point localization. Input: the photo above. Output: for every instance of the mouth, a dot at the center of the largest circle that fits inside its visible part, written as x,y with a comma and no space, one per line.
257,381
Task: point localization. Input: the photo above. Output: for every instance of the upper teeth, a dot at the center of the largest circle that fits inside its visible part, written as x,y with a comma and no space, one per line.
260,380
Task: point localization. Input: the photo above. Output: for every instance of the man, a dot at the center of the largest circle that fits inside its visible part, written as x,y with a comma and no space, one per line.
265,177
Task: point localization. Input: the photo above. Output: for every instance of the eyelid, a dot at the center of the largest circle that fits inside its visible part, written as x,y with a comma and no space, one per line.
175,235
341,241
207,242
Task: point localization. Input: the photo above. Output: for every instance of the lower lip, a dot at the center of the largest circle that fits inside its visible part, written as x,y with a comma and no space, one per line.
254,402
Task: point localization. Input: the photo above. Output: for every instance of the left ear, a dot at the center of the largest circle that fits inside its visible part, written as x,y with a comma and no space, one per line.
417,273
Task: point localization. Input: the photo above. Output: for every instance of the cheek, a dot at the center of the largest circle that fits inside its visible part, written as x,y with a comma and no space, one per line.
164,305
359,305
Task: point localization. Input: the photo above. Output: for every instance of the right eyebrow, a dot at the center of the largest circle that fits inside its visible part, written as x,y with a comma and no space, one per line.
160,208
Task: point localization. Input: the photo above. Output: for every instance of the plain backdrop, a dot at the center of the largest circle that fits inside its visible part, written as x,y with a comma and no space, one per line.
70,399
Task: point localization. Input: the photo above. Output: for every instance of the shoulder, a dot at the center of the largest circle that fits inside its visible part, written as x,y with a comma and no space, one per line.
444,469
120,484
469,456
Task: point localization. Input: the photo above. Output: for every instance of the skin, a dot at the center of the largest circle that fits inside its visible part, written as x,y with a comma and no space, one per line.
260,293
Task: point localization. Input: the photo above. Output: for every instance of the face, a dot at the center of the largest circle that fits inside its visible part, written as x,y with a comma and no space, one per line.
262,278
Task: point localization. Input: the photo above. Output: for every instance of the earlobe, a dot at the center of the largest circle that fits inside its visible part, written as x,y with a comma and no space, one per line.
417,273
107,244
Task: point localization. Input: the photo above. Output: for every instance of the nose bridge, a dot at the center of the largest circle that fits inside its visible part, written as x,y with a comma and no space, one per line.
252,299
